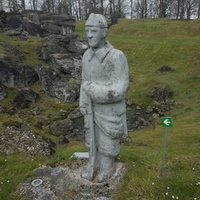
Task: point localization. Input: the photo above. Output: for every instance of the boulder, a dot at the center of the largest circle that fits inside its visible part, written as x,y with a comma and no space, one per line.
69,64
161,94
11,54
32,28
77,47
58,84
164,69
57,23
14,21
24,98
72,45
20,75
62,128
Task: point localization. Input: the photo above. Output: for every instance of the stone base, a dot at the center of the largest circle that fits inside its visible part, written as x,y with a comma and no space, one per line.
65,183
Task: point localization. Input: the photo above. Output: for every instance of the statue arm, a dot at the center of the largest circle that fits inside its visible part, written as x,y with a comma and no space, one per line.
83,99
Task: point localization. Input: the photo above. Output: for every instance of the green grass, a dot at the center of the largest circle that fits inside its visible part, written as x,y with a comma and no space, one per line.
148,45
27,47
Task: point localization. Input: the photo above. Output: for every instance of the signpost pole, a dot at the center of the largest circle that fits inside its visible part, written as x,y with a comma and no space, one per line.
164,151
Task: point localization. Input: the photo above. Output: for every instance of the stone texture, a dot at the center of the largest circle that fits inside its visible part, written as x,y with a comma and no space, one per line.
57,84
65,183
2,92
38,22
164,69
62,127
161,94
20,75
18,138
24,98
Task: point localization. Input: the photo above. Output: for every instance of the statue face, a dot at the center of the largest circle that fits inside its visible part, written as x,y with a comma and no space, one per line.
95,36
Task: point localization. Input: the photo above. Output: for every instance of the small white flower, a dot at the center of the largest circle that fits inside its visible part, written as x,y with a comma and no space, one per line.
193,168
166,193
1,183
8,181
168,188
152,183
5,160
195,198
173,197
176,197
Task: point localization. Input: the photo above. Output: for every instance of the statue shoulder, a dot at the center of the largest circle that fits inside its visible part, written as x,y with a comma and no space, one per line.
117,54
87,53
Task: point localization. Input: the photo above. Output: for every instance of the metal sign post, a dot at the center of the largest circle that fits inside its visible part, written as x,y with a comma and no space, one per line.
166,122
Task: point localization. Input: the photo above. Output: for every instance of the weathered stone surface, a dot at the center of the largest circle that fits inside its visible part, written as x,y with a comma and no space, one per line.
139,117
58,84
38,22
77,47
62,127
18,138
32,28
63,24
24,98
69,64
11,54
66,184
2,92
14,21
161,94
20,75
164,69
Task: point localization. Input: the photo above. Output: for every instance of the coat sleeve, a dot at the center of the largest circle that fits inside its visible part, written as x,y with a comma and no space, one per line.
115,89
83,100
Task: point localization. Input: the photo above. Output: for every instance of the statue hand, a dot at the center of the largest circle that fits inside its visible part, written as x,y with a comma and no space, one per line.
83,110
86,87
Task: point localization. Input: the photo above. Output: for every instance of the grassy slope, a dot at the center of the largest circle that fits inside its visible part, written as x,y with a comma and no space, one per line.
148,45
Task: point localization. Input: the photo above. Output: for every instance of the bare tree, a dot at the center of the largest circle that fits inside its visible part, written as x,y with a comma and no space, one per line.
162,9
1,4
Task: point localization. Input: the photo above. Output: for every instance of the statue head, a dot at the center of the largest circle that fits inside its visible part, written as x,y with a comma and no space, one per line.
96,30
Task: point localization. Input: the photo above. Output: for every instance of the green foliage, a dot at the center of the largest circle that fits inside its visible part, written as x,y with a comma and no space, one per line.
27,47
148,45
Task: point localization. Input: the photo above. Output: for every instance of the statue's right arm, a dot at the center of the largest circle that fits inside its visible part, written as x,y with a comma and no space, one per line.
82,102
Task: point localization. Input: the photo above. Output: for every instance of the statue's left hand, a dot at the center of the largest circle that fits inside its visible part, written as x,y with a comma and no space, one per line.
86,87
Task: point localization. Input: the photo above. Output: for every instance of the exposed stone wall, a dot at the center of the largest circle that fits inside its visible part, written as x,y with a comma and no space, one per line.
48,22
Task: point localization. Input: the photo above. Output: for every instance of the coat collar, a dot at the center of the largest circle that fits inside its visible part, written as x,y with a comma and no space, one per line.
101,53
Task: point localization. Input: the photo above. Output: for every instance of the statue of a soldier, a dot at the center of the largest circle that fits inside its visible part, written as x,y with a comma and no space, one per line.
105,80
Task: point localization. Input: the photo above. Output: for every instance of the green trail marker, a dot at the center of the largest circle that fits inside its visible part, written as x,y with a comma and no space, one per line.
166,122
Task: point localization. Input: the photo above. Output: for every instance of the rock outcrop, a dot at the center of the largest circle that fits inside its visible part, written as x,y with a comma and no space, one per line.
38,23
66,183
24,98
18,138
161,94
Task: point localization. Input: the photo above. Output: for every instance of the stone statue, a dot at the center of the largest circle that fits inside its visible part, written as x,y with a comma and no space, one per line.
105,80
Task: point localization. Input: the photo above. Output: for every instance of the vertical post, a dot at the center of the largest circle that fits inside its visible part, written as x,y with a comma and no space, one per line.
164,151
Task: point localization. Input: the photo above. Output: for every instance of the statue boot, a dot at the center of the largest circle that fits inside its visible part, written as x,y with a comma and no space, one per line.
86,172
107,168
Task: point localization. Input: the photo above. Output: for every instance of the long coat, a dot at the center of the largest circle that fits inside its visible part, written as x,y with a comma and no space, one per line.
105,79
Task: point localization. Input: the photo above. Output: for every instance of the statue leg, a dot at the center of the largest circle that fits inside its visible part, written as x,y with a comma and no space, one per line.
85,172
108,149
107,167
